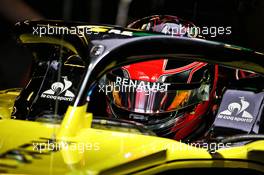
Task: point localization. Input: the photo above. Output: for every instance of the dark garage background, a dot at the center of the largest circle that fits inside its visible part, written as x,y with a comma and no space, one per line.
244,16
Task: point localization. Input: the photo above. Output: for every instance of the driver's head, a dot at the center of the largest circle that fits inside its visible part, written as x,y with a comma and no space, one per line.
169,25
169,97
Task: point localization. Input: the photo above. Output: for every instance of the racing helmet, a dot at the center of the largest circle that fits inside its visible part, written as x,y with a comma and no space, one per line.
169,97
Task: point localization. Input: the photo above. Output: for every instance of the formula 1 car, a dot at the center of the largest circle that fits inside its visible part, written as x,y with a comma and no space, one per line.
45,127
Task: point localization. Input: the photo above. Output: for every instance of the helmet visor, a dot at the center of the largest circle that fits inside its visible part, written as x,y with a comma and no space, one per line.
148,98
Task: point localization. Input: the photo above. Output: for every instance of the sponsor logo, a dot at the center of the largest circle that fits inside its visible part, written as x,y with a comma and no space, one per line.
59,91
128,85
236,111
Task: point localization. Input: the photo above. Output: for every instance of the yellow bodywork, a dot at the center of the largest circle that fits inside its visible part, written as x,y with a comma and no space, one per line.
7,99
73,147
